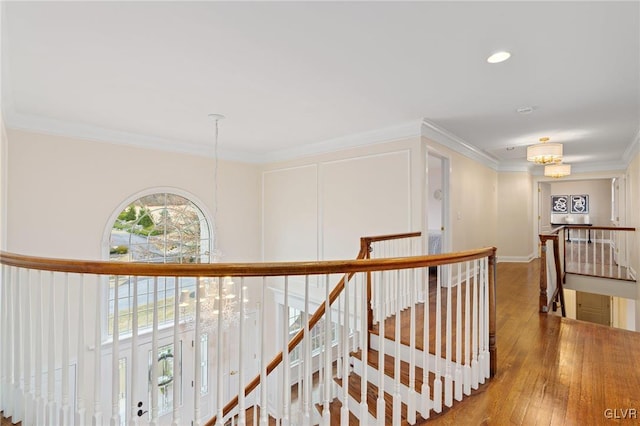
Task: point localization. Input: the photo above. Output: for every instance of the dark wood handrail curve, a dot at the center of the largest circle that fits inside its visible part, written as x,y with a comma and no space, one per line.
260,269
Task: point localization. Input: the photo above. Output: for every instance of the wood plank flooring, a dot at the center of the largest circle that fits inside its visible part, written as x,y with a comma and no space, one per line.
551,370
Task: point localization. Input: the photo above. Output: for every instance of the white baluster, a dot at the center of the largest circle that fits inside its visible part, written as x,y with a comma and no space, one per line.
308,379
487,358
197,374
51,355
474,326
133,393
286,394
344,413
595,260
5,337
437,383
481,326
611,240
601,249
155,409
220,375
411,401
425,391
458,371
241,397
397,399
380,404
467,328
96,419
80,404
448,378
39,418
115,357
263,358
364,332
26,330
18,396
65,409
326,415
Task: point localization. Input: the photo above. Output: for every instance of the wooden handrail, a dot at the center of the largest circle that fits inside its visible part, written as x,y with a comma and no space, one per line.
263,269
558,296
390,237
592,227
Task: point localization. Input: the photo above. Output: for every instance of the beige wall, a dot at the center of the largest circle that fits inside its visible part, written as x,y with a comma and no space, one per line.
599,191
62,192
474,195
4,162
515,216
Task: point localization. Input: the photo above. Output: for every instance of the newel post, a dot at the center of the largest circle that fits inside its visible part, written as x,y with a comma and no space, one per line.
365,253
493,366
543,275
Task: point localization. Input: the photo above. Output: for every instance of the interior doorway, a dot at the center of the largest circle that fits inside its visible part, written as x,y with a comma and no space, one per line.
437,203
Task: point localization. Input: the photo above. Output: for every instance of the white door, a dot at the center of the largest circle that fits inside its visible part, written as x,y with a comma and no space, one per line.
232,358
169,377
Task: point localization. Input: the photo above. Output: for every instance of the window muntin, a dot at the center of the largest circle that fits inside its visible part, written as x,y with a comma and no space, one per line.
296,323
156,228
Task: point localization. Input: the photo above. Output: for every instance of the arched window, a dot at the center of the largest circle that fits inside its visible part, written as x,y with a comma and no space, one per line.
161,227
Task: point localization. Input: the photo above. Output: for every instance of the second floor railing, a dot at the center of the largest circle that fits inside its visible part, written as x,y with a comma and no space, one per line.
597,251
298,350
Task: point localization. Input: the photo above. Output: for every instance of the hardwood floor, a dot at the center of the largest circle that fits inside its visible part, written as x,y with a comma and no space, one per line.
551,370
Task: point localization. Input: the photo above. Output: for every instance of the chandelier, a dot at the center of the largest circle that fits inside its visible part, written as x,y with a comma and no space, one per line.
218,298
215,303
557,170
544,152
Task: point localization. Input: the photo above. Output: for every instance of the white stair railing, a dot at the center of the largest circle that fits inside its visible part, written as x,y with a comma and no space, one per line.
44,320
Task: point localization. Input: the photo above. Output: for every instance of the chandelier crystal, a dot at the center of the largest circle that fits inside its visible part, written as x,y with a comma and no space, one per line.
213,307
544,152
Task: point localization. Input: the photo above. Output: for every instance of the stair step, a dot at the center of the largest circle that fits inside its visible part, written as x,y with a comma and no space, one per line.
355,391
389,368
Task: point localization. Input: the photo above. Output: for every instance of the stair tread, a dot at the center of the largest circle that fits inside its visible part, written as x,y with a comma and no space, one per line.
389,370
355,391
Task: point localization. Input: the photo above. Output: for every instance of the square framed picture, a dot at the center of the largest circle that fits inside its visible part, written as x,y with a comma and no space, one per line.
560,204
579,204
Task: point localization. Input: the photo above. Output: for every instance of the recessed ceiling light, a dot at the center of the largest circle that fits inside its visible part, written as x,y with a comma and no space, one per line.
498,57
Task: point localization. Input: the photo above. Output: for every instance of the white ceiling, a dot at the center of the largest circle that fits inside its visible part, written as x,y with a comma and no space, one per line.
294,77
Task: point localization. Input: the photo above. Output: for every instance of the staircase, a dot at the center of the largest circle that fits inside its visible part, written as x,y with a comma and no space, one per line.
416,395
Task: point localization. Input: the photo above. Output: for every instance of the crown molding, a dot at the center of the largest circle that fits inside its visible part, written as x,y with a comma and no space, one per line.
456,143
89,132
387,134
632,150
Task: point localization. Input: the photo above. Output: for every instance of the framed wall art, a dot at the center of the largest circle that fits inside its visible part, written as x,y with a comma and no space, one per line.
579,204
560,204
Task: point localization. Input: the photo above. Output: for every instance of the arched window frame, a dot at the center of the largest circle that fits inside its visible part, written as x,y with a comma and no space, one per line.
207,233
